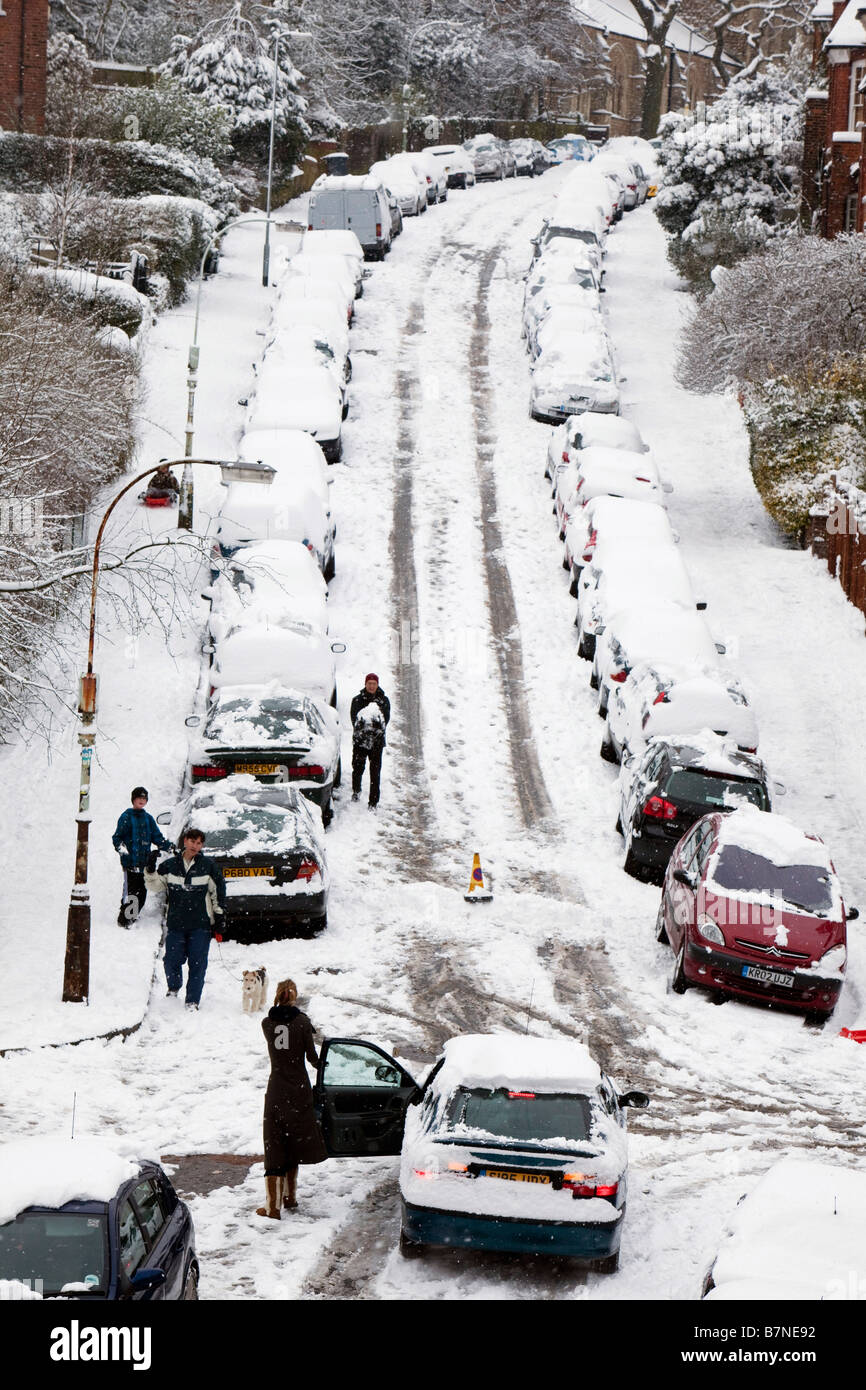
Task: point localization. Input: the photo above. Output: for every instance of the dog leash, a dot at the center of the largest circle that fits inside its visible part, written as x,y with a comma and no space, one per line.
218,940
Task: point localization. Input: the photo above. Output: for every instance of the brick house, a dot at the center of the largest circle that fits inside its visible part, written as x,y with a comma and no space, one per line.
23,43
611,94
834,144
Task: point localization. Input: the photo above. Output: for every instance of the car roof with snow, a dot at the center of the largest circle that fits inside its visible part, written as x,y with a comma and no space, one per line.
254,816
799,1234
346,183
611,431
709,752
48,1172
517,1061
773,837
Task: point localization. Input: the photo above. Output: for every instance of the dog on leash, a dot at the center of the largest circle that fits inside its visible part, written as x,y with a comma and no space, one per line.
254,990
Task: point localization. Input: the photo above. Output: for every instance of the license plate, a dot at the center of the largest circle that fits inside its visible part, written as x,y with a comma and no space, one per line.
257,768
767,977
514,1177
260,871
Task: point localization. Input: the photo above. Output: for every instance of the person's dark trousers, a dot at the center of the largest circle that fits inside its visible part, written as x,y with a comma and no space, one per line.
133,888
359,760
192,947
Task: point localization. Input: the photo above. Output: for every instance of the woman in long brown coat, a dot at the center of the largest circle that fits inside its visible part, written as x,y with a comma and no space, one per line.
291,1131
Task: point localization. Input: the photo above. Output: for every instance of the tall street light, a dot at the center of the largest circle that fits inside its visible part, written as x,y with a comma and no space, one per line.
76,967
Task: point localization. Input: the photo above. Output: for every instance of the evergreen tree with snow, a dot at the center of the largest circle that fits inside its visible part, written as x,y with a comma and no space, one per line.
230,64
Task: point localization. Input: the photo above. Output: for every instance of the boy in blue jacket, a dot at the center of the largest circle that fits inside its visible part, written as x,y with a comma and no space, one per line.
136,832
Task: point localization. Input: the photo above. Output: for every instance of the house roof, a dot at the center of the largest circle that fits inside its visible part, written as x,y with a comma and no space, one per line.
823,10
849,30
620,17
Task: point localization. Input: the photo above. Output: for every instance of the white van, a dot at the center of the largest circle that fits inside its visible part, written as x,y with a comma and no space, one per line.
355,203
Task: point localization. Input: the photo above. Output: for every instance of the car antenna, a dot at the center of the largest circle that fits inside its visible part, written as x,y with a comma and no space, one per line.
74,1096
529,1006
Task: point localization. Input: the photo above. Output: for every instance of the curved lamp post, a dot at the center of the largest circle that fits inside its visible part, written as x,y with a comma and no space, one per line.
76,968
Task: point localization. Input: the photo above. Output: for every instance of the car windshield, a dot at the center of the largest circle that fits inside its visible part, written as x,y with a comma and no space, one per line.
56,1252
805,886
276,717
522,1116
711,789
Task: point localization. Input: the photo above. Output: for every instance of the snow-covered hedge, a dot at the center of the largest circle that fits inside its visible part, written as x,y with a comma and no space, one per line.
113,303
125,168
730,174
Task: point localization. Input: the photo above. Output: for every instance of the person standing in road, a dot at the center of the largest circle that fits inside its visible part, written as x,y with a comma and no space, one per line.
136,832
196,904
290,1129
370,711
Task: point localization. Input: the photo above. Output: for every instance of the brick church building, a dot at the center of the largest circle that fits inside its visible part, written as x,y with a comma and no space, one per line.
23,42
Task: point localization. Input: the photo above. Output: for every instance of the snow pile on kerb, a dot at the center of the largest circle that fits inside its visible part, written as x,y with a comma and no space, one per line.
517,1062
801,1233
49,1172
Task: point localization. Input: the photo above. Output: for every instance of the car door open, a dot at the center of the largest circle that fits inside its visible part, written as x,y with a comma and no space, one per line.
361,1096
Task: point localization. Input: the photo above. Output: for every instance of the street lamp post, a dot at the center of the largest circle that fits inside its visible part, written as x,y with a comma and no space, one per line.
76,967
266,254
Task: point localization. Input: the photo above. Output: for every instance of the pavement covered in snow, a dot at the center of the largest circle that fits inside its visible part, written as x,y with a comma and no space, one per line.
449,585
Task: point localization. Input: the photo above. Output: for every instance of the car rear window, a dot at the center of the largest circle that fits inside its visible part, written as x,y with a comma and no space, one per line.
54,1251
522,1115
805,886
711,789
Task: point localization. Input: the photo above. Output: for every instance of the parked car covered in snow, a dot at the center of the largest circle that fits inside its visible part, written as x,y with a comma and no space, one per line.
575,380
304,396
459,169
658,700
352,202
586,429
799,1235
292,652
268,842
607,521
512,1143
678,779
663,632
292,512
487,157
752,906
81,1220
529,156
273,733
267,581
405,180
568,304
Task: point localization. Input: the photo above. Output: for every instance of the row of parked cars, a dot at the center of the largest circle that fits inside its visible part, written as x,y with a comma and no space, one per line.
751,906
265,757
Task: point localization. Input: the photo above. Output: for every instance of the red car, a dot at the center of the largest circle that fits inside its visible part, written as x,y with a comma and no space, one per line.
751,906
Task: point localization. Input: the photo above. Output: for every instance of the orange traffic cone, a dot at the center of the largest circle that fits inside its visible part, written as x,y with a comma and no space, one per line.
477,892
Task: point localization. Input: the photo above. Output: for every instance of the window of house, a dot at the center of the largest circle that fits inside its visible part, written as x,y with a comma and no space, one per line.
856,98
850,224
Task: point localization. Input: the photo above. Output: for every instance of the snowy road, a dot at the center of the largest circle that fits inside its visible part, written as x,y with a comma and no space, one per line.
449,585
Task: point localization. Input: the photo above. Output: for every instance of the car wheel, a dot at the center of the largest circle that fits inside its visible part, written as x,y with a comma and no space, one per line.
581,646
631,864
593,680
815,1019
338,775
608,1265
601,709
661,929
607,750
572,588
618,826
330,569
190,1288
679,983
327,813
409,1249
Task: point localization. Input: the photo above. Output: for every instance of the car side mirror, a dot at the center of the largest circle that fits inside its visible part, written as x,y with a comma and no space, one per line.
680,876
667,487
207,595
701,606
208,649
779,789
852,914
145,1280
164,818
634,1100
338,648
192,721
721,648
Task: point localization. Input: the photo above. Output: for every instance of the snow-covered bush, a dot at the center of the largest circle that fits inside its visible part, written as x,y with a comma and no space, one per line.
229,65
797,306
173,233
730,173
165,114
111,303
14,231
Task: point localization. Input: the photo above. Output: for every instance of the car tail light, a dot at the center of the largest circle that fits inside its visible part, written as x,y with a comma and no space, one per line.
307,870
521,1095
378,229
565,458
619,676
457,1168
662,698
310,227
208,772
312,771
643,480
581,1185
579,484
606,1189
750,750
660,809
424,1173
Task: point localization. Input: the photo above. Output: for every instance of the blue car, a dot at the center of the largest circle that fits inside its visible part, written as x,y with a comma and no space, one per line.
513,1143
137,1243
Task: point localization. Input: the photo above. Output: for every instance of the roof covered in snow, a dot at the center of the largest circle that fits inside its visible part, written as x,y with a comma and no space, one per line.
619,17
518,1062
48,1172
849,30
772,837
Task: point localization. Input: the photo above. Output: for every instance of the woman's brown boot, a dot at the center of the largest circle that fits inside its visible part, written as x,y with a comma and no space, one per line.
272,1197
290,1190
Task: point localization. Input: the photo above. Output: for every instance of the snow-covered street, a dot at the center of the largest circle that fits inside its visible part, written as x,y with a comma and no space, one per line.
449,585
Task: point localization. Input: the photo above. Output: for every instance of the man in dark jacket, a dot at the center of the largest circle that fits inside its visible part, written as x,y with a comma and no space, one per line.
196,904
370,711
136,832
